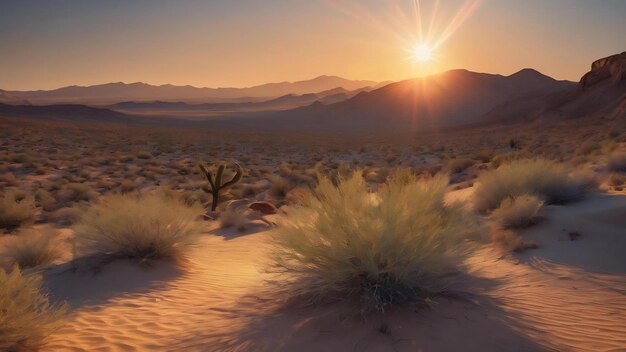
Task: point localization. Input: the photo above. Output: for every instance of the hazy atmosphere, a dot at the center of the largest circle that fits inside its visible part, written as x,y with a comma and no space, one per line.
305,176
50,44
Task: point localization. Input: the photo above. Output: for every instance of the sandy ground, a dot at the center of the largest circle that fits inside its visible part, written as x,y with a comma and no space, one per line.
565,296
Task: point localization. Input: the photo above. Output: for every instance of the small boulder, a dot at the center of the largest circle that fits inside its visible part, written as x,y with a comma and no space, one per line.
263,207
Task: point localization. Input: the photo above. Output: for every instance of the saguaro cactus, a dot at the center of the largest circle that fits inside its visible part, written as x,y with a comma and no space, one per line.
216,183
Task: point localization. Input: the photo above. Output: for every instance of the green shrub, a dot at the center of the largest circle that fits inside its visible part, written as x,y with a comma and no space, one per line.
26,316
138,226
542,178
387,247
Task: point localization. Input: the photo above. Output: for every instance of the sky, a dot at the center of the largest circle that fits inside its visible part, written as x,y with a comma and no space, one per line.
48,44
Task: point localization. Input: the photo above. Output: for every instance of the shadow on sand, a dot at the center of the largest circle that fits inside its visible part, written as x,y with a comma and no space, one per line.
231,233
80,285
469,322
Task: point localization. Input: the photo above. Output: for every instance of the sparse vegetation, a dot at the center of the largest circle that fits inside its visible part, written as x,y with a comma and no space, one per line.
26,315
387,247
511,241
142,227
16,209
517,212
34,248
280,186
459,164
545,179
234,218
216,184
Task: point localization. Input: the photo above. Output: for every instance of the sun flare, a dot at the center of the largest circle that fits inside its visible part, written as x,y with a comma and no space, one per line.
422,53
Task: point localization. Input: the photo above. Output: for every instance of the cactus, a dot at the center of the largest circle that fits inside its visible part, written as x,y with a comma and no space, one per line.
216,184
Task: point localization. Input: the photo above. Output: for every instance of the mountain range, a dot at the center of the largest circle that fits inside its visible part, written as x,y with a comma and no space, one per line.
451,99
110,93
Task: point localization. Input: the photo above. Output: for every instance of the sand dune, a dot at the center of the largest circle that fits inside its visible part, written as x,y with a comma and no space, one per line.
221,301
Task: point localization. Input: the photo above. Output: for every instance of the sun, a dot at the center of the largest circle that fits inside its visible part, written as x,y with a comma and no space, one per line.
422,53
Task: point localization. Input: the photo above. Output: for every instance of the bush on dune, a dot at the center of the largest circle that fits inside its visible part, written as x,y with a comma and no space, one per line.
517,212
26,315
34,248
16,210
545,179
137,226
388,247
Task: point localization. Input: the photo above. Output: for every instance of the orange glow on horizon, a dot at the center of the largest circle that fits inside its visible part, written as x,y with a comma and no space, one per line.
410,28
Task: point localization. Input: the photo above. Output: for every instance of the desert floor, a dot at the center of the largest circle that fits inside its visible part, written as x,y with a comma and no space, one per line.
567,295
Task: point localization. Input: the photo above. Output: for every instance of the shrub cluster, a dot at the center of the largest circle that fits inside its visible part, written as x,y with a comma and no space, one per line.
137,226
545,179
26,315
387,247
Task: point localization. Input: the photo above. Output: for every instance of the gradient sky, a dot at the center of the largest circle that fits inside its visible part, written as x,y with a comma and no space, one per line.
52,43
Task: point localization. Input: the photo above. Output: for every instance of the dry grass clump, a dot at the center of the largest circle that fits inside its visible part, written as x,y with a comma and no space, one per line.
77,192
137,226
542,178
617,162
8,179
279,186
517,212
616,181
26,315
234,218
46,200
33,248
387,247
458,165
511,241
127,186
16,209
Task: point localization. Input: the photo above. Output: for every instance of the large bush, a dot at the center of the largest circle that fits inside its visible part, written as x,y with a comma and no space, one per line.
387,247
137,226
545,179
26,316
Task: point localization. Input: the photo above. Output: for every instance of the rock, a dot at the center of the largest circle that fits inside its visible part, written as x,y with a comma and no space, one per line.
612,67
573,235
236,204
263,207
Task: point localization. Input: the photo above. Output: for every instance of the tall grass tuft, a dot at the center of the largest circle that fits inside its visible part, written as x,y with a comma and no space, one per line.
545,179
26,316
388,247
143,227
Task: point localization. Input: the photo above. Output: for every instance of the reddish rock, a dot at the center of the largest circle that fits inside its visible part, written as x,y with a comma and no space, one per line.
263,207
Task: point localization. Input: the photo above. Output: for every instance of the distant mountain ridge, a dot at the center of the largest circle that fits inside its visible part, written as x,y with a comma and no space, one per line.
66,112
453,98
288,101
110,93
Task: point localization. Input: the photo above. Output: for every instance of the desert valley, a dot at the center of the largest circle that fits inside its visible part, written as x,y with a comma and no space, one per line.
456,211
